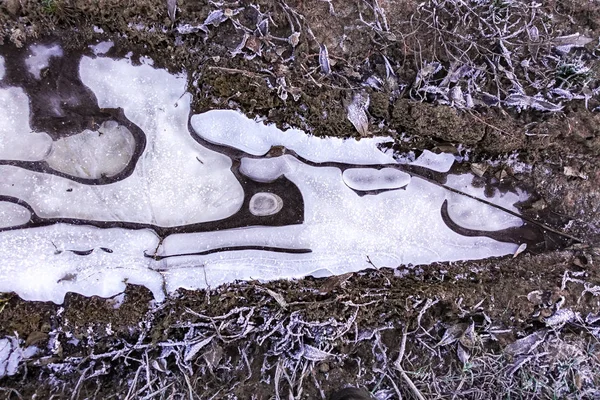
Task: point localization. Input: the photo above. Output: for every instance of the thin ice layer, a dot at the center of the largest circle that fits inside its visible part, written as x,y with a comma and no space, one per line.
102,47
39,58
472,214
175,182
343,231
17,141
13,214
368,179
2,68
233,129
436,162
43,264
180,181
92,155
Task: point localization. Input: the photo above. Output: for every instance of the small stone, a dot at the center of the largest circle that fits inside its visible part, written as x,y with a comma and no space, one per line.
324,368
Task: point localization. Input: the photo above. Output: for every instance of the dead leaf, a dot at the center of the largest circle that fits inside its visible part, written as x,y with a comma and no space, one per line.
253,44
195,348
479,169
527,344
570,171
501,174
463,354
357,113
452,334
278,298
521,249
172,9
35,338
324,60
535,297
294,39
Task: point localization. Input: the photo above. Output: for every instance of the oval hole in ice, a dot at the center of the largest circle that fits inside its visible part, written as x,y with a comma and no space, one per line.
13,214
366,179
263,204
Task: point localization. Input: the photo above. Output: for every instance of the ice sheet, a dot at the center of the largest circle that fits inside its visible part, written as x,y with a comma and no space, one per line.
13,214
233,129
17,141
90,154
358,206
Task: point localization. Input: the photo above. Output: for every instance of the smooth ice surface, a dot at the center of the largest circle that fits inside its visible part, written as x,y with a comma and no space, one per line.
39,58
167,222
472,214
17,141
366,179
2,68
40,263
102,47
437,162
341,228
13,214
233,129
93,154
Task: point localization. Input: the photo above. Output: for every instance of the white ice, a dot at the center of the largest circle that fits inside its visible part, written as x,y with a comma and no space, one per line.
39,58
366,179
436,162
13,214
38,265
342,229
233,129
17,140
102,47
2,68
177,181
92,154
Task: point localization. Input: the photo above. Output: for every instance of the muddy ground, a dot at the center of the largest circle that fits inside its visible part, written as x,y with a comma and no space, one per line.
523,327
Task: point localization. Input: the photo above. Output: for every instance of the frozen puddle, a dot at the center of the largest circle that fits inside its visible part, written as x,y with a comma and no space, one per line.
106,178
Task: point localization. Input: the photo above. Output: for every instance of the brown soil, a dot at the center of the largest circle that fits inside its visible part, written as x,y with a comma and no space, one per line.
380,307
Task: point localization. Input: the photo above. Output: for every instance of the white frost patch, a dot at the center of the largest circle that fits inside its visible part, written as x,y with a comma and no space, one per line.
13,215
39,58
233,129
366,179
11,354
93,154
2,68
102,47
472,214
17,141
437,162
40,263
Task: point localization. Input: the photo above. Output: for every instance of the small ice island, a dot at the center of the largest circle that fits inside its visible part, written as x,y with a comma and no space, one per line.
107,178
